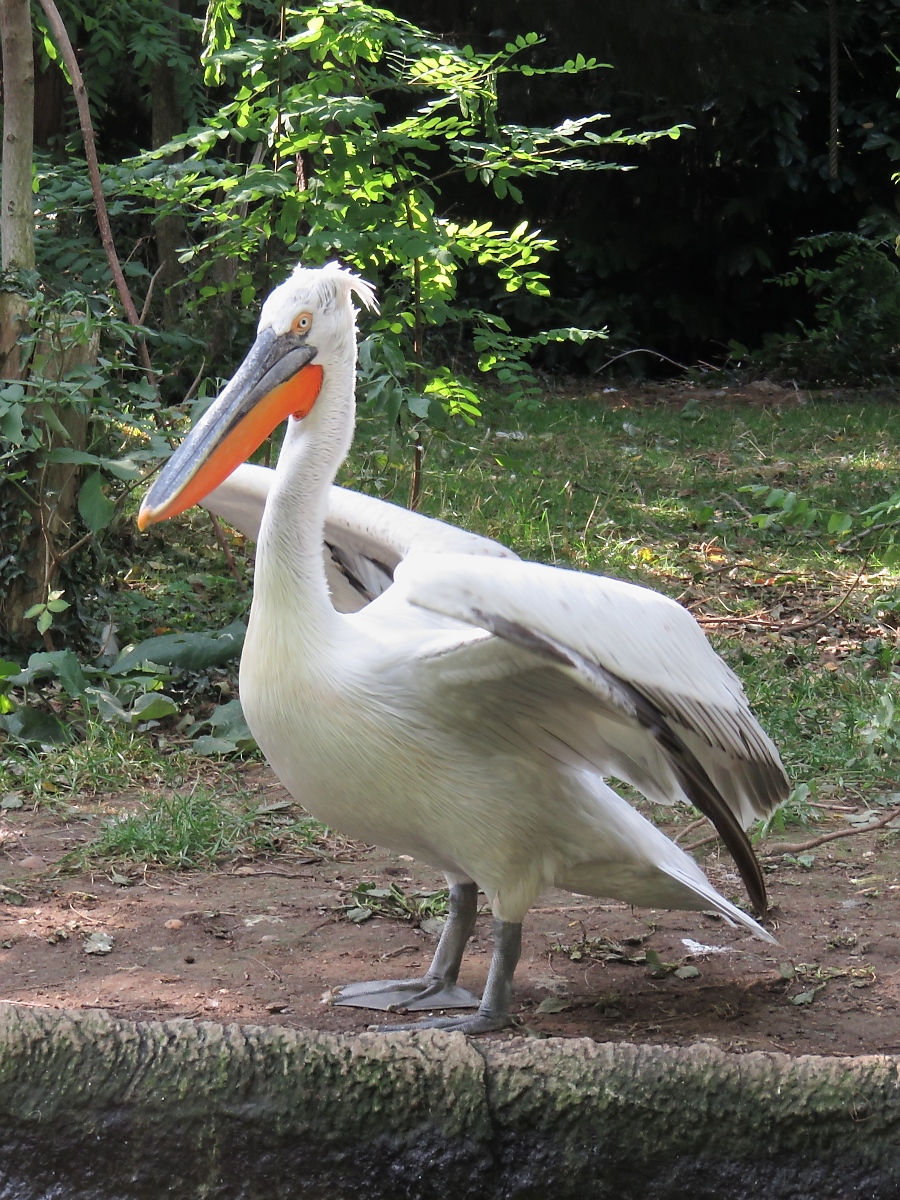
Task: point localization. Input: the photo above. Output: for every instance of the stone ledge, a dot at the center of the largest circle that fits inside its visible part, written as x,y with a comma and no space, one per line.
92,1108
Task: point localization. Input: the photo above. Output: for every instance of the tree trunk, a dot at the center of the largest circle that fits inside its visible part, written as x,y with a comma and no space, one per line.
17,518
47,527
16,205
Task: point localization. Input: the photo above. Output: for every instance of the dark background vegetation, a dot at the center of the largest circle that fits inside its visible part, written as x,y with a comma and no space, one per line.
677,255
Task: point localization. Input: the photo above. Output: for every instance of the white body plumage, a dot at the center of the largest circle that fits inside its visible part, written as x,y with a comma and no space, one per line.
471,712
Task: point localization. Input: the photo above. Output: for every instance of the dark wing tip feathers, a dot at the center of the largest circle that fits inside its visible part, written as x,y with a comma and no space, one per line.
692,776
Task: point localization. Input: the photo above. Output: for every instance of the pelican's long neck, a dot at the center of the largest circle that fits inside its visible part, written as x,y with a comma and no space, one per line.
290,588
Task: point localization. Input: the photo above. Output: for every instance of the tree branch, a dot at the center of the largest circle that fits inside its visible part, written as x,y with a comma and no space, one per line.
64,44
831,837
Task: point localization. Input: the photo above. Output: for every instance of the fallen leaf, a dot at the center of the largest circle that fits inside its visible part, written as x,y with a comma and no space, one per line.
358,915
98,943
553,1004
804,997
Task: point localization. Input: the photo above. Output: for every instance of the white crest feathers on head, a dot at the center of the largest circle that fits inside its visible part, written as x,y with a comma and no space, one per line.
333,281
322,288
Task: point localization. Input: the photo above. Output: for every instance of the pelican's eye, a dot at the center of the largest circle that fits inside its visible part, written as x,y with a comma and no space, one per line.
302,323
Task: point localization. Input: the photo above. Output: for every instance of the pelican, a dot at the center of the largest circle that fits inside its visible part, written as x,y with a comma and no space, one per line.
470,714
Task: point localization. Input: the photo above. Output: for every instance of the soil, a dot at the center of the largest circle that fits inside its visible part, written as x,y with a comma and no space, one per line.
265,942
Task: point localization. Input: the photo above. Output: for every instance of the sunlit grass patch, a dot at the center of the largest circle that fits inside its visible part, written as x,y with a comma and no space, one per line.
196,828
816,716
108,760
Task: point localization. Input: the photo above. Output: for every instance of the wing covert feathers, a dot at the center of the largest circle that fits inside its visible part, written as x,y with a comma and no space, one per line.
642,657
689,771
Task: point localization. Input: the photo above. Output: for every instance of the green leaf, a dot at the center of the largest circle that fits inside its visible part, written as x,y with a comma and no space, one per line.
228,720
36,728
230,731
839,523
122,468
190,651
208,745
60,663
658,968
359,915
108,706
153,706
52,421
686,972
804,997
418,406
65,454
95,508
11,425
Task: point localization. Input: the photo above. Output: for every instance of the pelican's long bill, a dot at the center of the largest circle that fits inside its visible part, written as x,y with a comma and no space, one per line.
275,380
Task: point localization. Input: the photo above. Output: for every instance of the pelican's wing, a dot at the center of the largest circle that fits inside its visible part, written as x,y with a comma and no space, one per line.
613,676
365,538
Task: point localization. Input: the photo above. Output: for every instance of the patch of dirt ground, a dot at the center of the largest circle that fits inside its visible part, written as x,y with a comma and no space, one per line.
263,942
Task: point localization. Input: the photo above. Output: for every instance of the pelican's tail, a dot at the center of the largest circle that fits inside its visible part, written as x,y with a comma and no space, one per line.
709,898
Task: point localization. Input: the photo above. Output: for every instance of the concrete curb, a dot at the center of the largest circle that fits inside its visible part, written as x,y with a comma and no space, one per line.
92,1108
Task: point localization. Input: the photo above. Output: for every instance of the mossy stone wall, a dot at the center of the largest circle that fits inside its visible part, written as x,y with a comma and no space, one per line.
92,1108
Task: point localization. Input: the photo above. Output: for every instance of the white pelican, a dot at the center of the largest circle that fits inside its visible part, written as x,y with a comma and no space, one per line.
468,715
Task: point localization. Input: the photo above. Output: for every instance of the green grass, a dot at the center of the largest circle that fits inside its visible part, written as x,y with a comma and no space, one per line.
196,828
594,486
620,484
647,494
109,760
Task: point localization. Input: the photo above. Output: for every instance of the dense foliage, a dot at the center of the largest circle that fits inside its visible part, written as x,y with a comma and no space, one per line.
332,133
447,168
679,255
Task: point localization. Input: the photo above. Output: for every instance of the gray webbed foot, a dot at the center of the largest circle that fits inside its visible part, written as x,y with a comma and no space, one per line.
414,995
478,1023
493,1012
437,988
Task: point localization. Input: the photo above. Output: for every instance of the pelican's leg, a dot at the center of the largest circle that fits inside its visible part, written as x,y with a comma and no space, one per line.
493,1012
437,988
